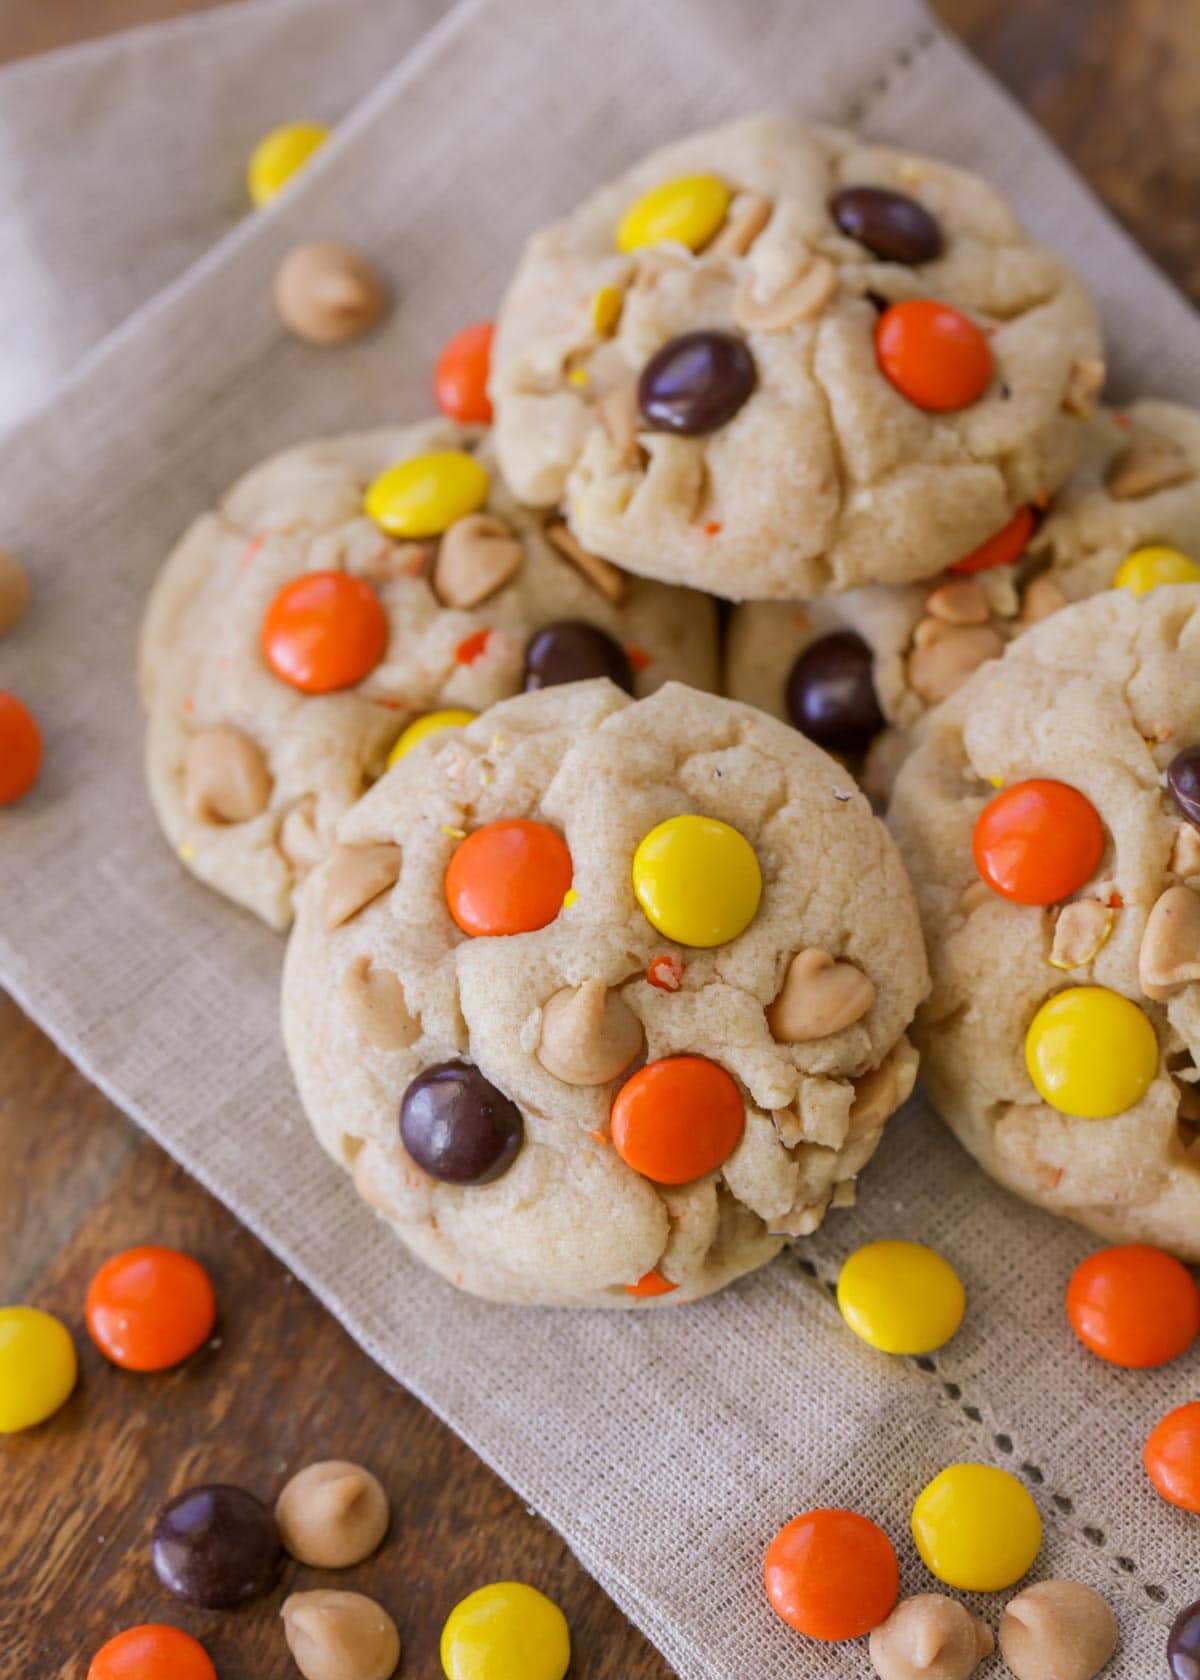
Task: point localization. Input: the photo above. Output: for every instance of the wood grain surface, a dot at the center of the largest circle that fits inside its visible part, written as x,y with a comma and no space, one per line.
1117,85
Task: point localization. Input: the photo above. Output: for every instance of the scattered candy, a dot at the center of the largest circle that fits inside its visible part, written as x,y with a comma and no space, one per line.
1134,1306
1057,1630
976,1528
1183,780
1037,842
933,355
571,650
216,1546
20,749
1004,548
891,225
14,592
324,631
150,1308
433,723
340,1636
831,1574
1172,1457
508,877
665,972
460,379
278,156
831,693
697,880
425,496
900,1297
677,1119
37,1367
929,1637
1091,1052
332,1514
696,383
152,1652
1183,1644
458,1127
329,294
506,1631
649,1286
1146,568
687,211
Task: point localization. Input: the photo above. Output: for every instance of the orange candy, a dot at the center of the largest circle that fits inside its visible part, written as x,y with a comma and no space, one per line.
508,877
934,356
832,1574
1134,1306
1037,842
1172,1457
460,379
152,1652
150,1308
324,631
20,749
649,1285
1002,549
677,1119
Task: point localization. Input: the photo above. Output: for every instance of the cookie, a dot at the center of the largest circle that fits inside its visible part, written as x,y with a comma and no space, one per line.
1136,494
601,1001
1050,820
774,361
291,639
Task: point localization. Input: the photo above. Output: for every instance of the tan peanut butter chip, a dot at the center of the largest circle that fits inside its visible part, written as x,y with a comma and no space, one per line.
328,294
1084,384
747,218
356,875
944,656
1185,853
589,1034
14,591
1057,1630
340,1636
1080,930
478,556
1170,951
800,300
929,1637
879,1092
1042,597
961,601
1144,466
225,776
298,838
373,998
819,997
332,1514
610,580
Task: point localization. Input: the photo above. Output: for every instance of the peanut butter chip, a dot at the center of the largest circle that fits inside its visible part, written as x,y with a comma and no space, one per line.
356,875
819,997
1057,1630
1080,931
340,1636
225,776
1084,383
879,1092
1185,853
374,1001
1041,599
802,299
478,556
14,591
929,1637
589,1034
332,1514
298,838
961,601
610,580
944,655
1144,466
974,896
1170,952
327,293
748,216
620,417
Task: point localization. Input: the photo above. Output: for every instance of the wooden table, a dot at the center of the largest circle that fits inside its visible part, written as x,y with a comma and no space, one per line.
1117,84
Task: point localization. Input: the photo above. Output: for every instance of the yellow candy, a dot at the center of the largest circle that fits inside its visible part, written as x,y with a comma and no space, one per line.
1091,1052
570,897
688,210
423,497
697,880
278,156
37,1367
606,310
420,729
976,1528
506,1632
1146,568
900,1297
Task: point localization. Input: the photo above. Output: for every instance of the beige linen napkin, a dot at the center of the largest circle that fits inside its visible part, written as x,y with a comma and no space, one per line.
667,1448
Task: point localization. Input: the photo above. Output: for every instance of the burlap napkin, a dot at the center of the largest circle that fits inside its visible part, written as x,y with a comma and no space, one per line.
667,1448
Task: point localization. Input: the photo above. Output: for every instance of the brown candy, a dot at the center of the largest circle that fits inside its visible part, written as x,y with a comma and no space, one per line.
225,776
328,294
332,1514
1057,1630
14,591
340,1636
929,1637
589,1034
819,997
356,876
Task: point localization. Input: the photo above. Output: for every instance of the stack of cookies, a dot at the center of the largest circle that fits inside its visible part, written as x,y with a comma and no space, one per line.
563,745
